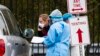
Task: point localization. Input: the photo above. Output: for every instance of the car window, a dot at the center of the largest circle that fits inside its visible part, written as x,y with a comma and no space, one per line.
12,25
3,25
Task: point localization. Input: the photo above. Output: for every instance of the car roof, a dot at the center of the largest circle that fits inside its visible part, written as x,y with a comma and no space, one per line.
3,7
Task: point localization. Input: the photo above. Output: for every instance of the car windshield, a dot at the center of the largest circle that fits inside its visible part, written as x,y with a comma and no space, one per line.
12,24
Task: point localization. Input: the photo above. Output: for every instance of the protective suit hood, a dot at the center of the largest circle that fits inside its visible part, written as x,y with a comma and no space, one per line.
56,16
67,16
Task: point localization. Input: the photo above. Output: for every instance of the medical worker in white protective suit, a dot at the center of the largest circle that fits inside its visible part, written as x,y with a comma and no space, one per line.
57,39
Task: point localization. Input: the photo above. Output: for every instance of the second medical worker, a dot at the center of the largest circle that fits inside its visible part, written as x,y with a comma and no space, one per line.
58,37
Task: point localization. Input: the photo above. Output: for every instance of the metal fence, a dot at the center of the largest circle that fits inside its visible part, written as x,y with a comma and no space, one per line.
28,11
38,49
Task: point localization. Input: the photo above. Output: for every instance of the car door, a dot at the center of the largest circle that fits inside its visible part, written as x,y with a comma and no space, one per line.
18,45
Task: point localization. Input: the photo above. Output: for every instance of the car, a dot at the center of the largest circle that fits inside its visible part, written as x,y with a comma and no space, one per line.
93,49
13,42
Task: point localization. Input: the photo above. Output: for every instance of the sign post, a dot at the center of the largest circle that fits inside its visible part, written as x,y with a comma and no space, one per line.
81,48
77,50
79,27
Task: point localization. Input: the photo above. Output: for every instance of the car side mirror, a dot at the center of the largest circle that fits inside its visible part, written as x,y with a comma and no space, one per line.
28,33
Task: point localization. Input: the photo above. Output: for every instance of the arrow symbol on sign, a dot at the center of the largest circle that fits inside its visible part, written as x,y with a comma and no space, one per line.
79,32
77,9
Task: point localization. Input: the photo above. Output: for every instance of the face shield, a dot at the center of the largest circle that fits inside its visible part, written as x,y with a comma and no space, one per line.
55,19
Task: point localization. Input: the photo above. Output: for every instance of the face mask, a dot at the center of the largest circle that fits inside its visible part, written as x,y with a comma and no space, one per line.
40,25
